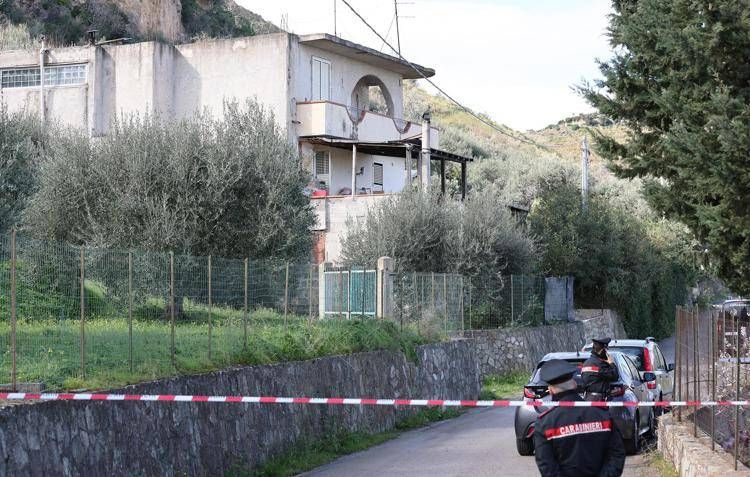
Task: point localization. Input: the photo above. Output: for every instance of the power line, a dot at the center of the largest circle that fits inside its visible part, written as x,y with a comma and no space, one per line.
455,101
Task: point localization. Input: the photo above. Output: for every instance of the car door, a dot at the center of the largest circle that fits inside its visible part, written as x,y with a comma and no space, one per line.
639,388
663,376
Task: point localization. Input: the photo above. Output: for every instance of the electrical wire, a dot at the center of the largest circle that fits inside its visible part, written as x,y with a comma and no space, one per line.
442,91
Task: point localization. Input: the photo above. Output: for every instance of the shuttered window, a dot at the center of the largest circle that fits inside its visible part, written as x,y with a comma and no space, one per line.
322,163
377,174
321,79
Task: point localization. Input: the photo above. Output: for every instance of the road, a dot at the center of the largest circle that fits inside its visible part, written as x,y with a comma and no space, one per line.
479,443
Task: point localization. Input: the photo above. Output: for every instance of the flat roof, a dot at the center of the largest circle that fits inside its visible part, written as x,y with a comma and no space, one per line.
349,49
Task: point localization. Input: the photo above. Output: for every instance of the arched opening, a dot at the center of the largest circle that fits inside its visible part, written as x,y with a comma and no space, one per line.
370,94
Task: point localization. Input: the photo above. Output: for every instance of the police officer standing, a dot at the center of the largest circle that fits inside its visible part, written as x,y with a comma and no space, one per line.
575,441
599,371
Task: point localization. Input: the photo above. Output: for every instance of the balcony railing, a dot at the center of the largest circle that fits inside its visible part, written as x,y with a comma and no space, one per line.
329,119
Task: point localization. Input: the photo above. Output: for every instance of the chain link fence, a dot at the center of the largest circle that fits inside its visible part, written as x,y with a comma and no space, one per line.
497,301
712,362
429,303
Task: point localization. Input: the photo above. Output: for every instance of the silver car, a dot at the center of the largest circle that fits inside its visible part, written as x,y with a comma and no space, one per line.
632,422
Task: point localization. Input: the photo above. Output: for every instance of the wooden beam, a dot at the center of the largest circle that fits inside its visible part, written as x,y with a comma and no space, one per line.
442,175
463,180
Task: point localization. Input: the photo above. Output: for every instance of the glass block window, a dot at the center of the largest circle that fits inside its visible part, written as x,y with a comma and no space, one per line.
53,76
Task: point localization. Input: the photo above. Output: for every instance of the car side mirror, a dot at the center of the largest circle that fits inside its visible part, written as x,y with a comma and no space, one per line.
670,367
648,377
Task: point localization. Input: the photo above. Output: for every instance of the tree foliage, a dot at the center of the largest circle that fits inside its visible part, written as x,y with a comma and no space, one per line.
681,81
21,143
633,264
230,187
425,233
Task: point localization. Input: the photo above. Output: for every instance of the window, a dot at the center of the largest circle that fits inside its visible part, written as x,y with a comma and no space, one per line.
323,167
321,79
661,365
53,76
377,174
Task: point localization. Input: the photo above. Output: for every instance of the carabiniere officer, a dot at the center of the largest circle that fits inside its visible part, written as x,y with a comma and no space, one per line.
575,441
599,371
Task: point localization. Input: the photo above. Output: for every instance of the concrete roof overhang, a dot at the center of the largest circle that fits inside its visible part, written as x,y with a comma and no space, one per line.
389,148
349,49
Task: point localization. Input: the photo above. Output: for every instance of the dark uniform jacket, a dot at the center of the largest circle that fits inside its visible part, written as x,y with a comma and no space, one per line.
597,375
577,441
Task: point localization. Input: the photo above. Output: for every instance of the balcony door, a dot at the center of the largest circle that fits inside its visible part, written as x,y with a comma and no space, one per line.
321,79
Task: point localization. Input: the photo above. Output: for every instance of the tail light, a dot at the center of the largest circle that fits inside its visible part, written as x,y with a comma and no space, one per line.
617,391
648,367
528,393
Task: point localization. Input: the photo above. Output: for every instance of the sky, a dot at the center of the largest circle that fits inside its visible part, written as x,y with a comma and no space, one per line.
515,60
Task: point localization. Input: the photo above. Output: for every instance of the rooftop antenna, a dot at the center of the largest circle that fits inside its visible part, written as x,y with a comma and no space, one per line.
285,22
335,31
398,34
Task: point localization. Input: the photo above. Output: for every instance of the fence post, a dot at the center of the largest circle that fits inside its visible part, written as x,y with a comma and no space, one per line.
309,293
737,394
512,304
445,301
323,292
83,317
401,306
171,309
244,310
13,317
432,291
130,310
210,306
341,293
286,293
678,356
471,325
463,325
696,370
362,286
384,288
714,340
416,300
349,295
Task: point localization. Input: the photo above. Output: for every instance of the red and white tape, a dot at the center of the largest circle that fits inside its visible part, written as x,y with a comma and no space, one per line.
352,401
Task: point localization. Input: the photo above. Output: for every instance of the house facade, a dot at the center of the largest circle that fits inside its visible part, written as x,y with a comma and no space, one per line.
320,88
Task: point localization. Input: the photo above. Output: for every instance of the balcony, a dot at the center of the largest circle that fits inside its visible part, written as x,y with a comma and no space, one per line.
334,120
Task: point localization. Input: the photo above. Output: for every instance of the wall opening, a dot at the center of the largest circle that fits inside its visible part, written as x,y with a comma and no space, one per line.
371,94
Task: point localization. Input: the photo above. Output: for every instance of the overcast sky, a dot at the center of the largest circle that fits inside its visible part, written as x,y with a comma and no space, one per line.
512,59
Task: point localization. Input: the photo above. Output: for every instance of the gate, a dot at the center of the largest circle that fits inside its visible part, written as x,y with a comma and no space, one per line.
350,292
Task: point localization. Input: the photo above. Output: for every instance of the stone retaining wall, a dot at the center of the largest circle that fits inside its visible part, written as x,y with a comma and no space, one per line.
506,350
144,438
692,456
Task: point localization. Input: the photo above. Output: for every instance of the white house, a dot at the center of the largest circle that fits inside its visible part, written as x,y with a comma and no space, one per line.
318,86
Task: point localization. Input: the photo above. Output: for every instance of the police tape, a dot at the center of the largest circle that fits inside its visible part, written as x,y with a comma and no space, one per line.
353,401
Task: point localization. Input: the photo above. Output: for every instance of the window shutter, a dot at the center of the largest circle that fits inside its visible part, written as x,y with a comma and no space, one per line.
322,164
377,174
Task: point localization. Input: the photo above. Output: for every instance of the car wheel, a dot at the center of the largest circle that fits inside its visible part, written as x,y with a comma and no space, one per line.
632,445
525,446
651,424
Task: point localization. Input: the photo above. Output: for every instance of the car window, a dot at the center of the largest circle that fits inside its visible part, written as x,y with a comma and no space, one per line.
633,352
537,380
661,365
633,370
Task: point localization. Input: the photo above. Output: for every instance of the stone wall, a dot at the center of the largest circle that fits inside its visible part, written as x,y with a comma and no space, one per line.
692,456
151,438
520,349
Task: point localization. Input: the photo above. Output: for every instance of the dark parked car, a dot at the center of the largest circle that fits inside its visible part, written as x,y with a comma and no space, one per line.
632,422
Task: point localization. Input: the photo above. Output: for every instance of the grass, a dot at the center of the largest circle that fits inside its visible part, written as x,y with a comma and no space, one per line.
314,454
505,386
49,350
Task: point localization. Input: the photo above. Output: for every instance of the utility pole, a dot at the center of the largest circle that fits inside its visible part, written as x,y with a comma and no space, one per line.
398,34
585,173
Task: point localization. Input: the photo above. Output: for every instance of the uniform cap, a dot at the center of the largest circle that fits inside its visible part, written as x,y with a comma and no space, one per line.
602,341
556,371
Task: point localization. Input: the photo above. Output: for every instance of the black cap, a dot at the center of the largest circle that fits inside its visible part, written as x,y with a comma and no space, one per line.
602,341
556,371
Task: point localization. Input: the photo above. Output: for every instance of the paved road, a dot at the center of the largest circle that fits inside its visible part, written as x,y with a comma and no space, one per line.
479,443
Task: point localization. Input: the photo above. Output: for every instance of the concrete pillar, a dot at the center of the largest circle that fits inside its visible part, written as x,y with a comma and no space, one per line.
354,170
322,289
384,290
424,167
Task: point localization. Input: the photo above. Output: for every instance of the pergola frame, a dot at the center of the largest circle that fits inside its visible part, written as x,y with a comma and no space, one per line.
407,148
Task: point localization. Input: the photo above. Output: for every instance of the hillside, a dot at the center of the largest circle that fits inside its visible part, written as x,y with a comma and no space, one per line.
66,23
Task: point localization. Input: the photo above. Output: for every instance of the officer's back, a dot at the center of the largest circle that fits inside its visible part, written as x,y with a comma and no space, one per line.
575,441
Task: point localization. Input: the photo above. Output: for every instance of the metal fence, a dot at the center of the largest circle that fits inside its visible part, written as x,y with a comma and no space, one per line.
712,362
77,316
